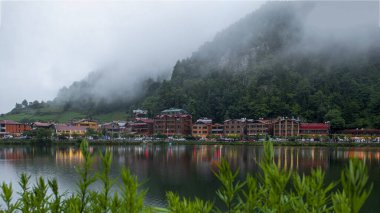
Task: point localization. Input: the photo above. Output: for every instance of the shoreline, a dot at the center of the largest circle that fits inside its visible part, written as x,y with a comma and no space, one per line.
21,142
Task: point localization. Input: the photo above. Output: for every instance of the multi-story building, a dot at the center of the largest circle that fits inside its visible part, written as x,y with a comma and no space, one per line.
235,127
202,128
141,126
70,131
314,129
173,122
258,127
87,123
285,127
111,128
13,128
217,129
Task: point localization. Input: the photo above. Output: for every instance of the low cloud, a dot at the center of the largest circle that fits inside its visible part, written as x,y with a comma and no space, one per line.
45,46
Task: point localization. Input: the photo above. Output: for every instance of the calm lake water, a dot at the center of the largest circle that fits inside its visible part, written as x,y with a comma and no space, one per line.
186,169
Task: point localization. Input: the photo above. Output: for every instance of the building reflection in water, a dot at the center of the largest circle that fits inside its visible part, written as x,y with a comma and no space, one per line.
174,161
186,169
68,156
203,156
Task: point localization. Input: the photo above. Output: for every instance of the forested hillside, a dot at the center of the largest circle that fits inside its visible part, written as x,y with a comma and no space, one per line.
267,65
281,60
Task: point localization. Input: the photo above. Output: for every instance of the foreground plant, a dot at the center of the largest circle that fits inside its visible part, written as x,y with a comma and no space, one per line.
272,190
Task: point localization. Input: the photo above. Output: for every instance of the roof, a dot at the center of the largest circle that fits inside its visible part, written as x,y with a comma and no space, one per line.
111,125
69,128
204,121
122,124
40,124
238,120
9,122
145,120
140,111
286,119
174,116
172,111
314,126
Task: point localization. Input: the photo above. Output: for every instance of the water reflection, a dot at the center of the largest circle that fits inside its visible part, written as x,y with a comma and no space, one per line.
186,169
203,157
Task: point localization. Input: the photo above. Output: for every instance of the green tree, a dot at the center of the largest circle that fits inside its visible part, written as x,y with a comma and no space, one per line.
25,103
335,118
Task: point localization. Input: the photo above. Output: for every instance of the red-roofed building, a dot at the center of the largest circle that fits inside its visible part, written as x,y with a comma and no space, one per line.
173,122
8,127
314,129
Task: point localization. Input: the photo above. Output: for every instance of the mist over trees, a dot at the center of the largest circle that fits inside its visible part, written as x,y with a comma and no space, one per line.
319,61
278,61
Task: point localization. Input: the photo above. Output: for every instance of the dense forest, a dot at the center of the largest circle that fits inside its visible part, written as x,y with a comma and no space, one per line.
260,68
270,63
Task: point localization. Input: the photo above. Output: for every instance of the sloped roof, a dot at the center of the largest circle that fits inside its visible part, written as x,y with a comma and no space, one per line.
174,116
286,119
172,111
314,126
9,122
145,120
238,120
204,121
69,128
41,124
260,121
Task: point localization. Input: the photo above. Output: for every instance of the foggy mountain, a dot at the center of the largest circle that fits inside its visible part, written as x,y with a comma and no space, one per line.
102,89
282,29
315,60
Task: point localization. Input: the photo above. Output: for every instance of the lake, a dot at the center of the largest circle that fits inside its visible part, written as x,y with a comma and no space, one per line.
186,169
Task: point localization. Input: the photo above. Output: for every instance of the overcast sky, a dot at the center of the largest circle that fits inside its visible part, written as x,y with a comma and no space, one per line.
47,45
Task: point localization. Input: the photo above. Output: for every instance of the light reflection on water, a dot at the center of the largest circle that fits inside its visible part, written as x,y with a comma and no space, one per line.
186,169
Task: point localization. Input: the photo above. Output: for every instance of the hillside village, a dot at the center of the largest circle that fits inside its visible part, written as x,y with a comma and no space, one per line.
177,124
